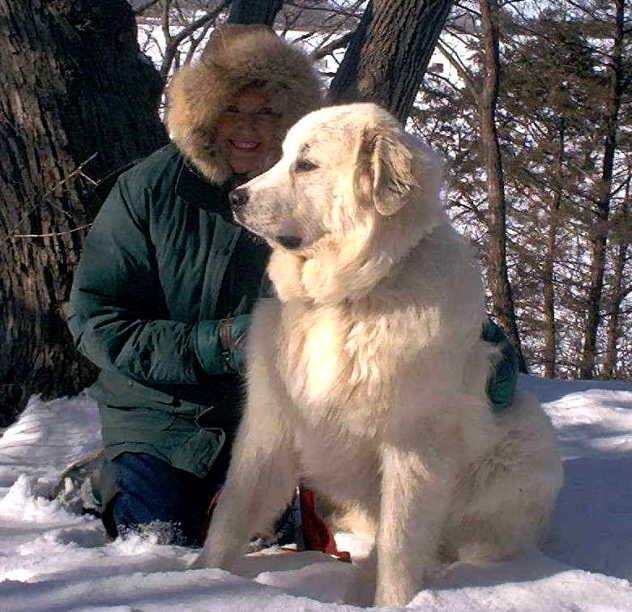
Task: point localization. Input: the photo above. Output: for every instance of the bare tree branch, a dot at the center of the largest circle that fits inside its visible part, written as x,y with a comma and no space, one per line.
53,234
339,43
174,41
459,66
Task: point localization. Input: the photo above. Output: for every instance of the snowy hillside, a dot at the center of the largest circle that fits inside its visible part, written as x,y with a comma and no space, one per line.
53,559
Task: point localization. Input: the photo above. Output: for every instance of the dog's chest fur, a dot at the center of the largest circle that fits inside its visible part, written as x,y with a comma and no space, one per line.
336,366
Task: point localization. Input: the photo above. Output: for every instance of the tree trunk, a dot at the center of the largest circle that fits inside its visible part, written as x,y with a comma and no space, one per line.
254,11
389,53
617,293
549,353
497,274
604,194
77,100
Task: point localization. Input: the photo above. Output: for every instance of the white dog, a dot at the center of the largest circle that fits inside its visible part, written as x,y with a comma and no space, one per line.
367,374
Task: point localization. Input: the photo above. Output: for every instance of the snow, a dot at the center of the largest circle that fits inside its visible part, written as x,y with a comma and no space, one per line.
52,558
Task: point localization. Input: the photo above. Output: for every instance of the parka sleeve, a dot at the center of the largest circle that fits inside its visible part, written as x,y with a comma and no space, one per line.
117,314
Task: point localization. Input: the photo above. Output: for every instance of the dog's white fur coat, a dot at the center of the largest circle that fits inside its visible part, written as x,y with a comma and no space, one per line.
367,374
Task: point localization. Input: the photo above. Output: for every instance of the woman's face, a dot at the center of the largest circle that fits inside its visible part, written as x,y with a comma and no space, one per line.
246,131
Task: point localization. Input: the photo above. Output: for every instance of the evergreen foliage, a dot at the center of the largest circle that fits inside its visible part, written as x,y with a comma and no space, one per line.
552,121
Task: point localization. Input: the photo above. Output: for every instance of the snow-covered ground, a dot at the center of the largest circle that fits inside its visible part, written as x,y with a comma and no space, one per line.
54,559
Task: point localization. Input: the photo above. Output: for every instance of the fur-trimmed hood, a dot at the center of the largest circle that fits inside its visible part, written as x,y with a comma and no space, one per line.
235,57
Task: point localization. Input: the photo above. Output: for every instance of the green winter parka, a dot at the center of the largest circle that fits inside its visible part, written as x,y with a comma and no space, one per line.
144,308
164,263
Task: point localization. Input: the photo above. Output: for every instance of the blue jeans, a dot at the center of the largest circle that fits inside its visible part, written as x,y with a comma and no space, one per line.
152,496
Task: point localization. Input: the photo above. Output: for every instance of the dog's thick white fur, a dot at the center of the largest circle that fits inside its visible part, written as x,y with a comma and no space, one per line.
367,374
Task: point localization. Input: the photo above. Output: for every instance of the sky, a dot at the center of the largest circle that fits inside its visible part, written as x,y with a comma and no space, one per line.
53,558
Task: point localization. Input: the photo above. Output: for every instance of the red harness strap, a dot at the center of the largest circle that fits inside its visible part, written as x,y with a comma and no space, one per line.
315,531
316,534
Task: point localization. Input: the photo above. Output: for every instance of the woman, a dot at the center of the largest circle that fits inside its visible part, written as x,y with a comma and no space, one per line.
162,295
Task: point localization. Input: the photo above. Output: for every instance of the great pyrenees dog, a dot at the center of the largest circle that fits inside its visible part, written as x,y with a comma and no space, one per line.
367,373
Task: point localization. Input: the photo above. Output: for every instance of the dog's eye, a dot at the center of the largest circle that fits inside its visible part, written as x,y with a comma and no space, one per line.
304,165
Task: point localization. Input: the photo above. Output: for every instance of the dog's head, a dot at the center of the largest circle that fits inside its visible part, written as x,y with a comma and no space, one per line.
351,188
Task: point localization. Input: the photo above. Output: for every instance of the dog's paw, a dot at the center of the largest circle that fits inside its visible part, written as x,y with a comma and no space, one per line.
200,562
209,557
218,556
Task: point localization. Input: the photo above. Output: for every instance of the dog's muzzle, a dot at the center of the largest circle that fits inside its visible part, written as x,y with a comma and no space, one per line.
238,199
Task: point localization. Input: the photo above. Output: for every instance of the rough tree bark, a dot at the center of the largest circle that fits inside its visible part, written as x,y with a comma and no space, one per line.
254,11
389,53
599,240
77,100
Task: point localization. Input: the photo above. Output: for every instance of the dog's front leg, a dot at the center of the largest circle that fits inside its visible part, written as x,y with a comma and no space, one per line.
259,485
415,499
263,470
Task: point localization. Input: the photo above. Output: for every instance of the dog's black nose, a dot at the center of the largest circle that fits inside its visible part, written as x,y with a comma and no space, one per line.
289,242
238,198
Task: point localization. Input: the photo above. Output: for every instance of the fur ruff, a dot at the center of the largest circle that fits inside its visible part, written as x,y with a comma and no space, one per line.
235,57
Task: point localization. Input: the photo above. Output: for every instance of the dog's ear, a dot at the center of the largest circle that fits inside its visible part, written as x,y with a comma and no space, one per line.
384,168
